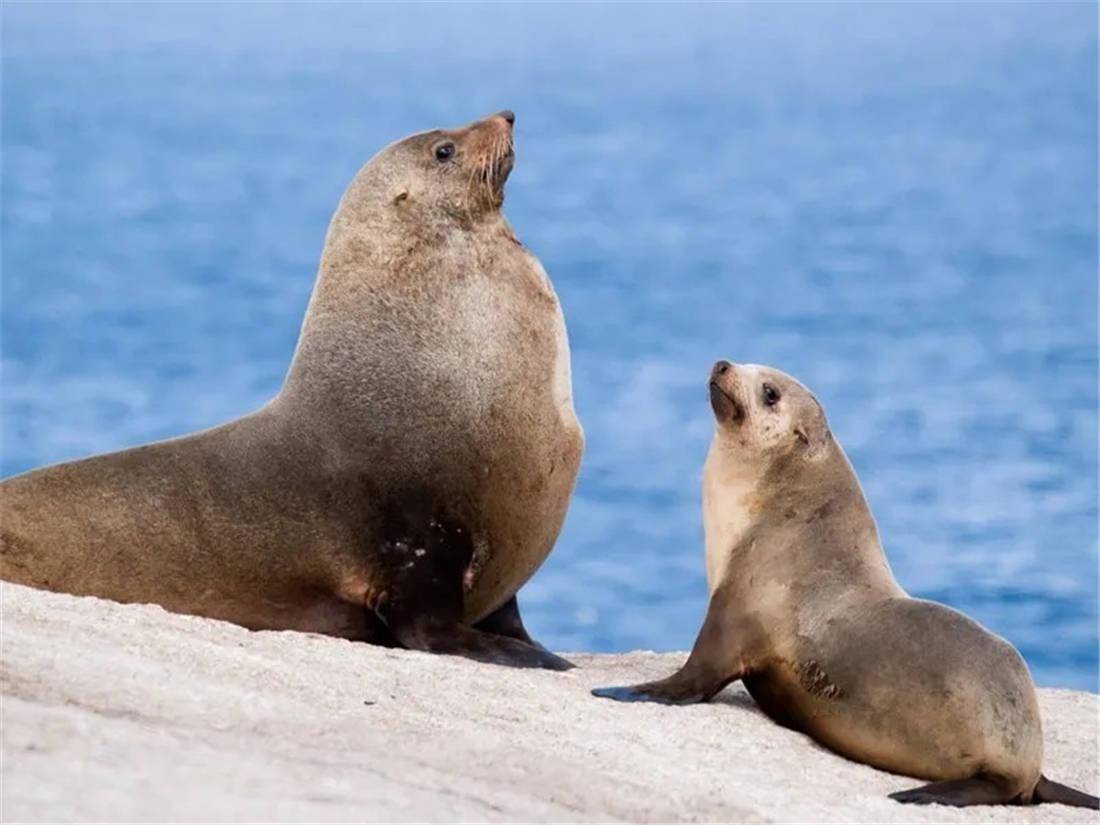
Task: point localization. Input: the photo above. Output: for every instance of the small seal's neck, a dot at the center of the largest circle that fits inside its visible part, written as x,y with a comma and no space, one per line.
812,517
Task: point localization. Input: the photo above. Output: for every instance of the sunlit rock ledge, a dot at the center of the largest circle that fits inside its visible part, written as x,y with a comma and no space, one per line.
116,713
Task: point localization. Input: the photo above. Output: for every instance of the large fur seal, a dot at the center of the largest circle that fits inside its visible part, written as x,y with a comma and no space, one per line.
805,610
411,475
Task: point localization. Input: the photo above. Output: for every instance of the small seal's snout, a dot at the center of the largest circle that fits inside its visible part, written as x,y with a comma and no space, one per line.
508,115
723,392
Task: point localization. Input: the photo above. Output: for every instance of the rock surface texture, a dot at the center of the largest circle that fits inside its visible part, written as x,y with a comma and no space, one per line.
121,713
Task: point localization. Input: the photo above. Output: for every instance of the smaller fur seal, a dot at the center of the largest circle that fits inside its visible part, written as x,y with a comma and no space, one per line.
804,609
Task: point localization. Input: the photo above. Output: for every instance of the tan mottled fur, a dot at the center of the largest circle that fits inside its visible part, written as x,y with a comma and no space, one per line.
433,354
804,609
905,684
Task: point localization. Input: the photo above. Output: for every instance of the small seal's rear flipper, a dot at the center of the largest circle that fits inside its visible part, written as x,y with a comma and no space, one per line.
1048,791
960,793
725,650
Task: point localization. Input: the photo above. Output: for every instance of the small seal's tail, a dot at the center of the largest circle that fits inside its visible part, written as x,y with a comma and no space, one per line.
1047,791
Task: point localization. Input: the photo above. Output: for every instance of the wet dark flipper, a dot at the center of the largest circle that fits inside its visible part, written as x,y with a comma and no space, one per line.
1048,791
423,555
724,652
459,640
506,621
978,790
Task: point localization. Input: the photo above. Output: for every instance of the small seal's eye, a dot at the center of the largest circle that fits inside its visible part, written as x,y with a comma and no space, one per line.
771,395
444,152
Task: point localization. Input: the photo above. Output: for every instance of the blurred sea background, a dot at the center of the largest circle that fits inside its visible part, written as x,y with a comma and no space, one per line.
896,203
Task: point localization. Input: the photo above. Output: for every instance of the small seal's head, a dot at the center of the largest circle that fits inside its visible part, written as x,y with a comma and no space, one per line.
762,415
439,176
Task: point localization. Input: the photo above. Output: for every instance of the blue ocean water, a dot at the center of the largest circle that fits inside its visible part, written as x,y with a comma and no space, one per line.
896,203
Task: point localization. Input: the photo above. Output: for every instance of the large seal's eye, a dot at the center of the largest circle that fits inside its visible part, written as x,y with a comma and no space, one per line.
444,152
771,395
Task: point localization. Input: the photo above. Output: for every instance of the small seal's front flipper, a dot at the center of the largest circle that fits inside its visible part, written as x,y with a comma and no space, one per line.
659,692
724,652
960,793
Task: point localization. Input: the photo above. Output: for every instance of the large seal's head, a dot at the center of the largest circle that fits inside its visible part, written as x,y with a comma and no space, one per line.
763,415
423,210
436,177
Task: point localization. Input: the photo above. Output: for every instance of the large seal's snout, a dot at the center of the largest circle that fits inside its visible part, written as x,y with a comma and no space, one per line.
498,126
724,395
491,149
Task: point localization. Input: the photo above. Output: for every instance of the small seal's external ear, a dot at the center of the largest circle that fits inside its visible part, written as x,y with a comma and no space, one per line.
814,435
819,447
401,198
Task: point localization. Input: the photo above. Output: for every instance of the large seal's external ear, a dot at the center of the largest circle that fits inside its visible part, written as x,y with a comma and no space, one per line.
401,197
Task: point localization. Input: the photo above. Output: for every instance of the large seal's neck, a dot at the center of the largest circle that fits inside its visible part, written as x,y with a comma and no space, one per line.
789,519
386,330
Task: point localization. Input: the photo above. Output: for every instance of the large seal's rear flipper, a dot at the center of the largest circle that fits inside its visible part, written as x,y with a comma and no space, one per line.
1048,791
724,652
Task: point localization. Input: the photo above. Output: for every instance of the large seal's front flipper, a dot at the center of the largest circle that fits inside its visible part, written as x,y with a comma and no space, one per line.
459,640
506,621
978,790
724,651
424,554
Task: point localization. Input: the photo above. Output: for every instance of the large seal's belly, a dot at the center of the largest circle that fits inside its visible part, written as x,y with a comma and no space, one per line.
536,437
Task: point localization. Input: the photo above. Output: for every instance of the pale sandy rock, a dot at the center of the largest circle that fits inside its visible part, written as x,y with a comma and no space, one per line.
122,713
